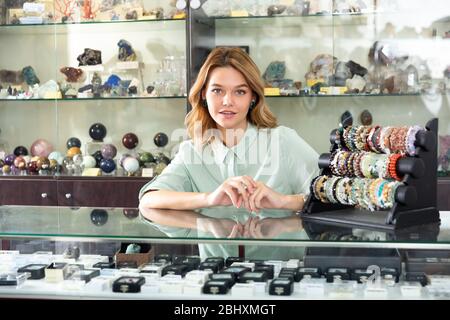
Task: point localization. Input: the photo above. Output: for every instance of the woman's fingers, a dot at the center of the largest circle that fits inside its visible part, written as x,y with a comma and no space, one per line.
232,195
252,200
240,188
234,231
252,226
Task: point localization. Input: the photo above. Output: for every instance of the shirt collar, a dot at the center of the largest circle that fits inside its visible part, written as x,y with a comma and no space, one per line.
220,150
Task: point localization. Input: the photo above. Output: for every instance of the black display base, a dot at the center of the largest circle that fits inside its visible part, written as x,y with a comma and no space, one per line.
374,220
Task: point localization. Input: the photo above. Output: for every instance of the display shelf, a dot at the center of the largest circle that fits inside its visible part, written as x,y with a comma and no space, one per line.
93,99
51,26
47,290
290,20
100,224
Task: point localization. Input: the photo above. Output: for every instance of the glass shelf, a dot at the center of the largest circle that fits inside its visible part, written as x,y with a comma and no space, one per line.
93,99
85,22
96,224
92,27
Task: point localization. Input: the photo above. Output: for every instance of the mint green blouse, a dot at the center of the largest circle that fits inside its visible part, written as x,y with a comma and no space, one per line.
279,157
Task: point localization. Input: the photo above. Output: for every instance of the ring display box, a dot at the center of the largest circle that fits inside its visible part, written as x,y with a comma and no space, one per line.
128,284
36,271
144,256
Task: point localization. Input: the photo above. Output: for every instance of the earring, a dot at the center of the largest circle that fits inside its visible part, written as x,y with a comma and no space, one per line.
205,103
252,104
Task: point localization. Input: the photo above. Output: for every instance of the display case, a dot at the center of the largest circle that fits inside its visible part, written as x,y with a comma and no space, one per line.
97,253
90,92
325,63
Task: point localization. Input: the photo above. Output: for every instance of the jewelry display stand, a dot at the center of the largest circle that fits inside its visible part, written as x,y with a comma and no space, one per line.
415,202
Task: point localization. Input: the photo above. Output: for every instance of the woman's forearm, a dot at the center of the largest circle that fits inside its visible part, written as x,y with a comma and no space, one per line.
165,199
172,218
293,202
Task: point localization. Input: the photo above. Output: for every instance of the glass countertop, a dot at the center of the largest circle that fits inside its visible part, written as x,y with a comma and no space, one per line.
215,225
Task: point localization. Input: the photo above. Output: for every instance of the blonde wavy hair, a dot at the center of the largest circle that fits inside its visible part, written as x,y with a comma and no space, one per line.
260,115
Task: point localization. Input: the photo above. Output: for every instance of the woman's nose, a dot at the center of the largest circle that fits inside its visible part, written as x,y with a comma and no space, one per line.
227,99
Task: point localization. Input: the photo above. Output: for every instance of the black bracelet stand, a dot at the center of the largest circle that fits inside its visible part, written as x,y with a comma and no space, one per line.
415,202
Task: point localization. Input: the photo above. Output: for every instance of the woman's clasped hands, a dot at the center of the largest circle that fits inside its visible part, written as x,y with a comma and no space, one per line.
244,191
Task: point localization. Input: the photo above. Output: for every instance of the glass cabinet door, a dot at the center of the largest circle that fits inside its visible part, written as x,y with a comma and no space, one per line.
104,79
321,58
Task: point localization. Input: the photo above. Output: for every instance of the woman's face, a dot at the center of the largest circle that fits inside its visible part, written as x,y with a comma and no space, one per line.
228,96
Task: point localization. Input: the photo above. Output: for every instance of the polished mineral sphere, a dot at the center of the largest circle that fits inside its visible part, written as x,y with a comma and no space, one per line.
109,151
6,169
123,157
41,148
97,132
107,165
99,217
98,158
53,164
160,168
56,155
9,159
21,151
73,142
89,162
32,167
43,163
161,139
131,213
130,165
20,163
78,159
162,158
146,157
130,140
73,151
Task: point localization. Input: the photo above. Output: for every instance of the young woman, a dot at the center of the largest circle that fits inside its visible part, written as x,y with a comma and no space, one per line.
238,155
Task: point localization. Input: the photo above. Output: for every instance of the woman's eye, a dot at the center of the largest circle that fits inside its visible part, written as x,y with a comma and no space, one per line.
216,90
241,92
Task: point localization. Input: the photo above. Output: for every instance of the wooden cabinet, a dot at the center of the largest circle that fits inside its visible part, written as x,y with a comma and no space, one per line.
100,192
41,191
69,192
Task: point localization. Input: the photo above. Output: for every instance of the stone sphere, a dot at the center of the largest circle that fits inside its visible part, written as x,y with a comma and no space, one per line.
146,157
161,139
53,164
41,148
9,159
89,161
6,169
56,155
123,157
130,140
32,167
107,165
97,132
43,163
78,159
162,158
130,165
21,151
73,151
160,168
98,158
27,159
20,163
73,142
109,151
99,217
131,213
